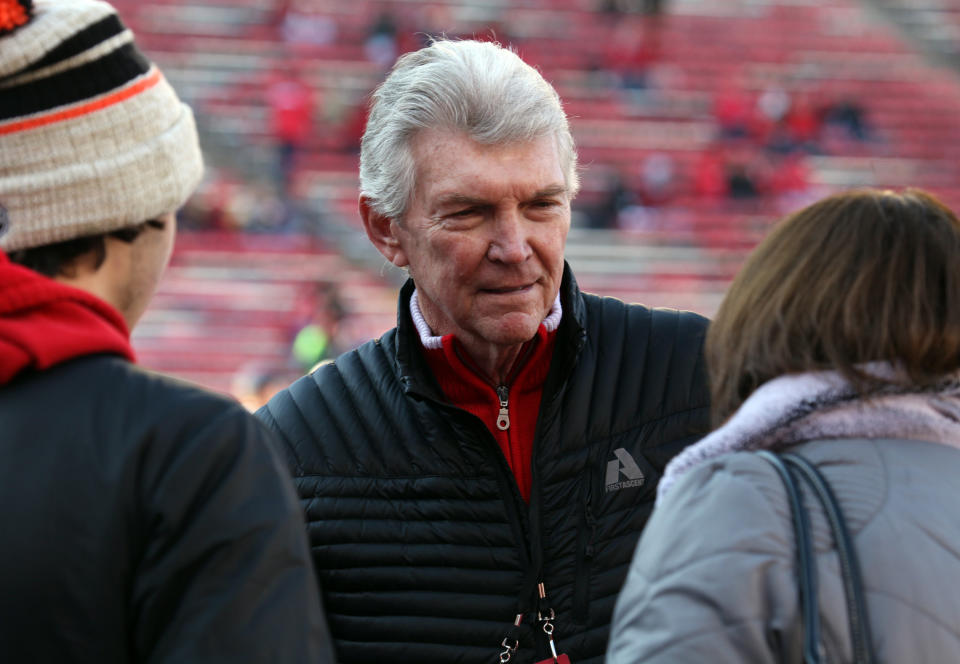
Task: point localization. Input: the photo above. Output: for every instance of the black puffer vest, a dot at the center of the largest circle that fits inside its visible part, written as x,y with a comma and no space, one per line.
424,548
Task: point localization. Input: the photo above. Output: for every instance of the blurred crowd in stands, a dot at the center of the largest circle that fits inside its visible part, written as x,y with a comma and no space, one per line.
683,141
763,133
758,157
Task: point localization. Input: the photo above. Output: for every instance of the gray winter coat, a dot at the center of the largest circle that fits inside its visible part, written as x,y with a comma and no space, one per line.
713,578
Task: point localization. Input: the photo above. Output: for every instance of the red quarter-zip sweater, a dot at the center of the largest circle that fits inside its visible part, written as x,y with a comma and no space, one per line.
465,386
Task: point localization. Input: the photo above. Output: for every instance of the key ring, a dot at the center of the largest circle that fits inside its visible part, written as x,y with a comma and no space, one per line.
508,649
547,624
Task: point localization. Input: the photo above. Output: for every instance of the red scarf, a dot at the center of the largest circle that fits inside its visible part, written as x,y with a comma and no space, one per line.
465,387
44,323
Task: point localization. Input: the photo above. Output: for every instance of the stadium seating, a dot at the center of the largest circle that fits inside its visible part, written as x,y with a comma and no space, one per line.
221,54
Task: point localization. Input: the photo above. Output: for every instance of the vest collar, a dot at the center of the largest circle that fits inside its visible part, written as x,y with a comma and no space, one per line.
415,375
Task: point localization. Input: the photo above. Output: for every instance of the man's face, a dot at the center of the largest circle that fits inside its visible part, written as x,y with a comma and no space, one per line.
484,236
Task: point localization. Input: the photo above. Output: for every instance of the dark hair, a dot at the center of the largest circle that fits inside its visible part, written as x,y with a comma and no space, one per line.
57,259
857,277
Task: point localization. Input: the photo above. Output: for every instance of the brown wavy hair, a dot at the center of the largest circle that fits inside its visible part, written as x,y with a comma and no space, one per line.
860,276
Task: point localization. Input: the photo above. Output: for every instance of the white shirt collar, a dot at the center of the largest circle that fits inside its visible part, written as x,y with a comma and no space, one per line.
432,341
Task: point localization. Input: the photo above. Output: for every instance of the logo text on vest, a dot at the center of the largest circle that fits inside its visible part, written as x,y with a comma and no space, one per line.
626,466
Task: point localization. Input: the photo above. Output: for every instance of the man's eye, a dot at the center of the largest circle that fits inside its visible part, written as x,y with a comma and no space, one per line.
466,212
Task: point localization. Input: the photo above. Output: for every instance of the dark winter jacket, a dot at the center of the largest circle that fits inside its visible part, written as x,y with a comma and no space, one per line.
424,548
145,520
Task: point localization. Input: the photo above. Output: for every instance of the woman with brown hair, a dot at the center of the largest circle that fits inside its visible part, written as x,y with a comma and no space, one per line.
838,341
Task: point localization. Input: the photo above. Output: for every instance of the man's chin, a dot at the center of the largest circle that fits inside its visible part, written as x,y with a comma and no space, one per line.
512,330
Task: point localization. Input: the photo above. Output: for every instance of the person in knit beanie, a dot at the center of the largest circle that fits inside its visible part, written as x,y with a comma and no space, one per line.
145,519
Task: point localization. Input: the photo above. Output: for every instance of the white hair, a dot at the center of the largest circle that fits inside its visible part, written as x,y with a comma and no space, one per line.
479,88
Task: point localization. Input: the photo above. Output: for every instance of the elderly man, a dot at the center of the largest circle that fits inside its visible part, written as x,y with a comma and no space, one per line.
476,479
144,520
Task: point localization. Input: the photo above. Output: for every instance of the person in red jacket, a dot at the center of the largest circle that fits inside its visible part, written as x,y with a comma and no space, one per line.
147,520
291,121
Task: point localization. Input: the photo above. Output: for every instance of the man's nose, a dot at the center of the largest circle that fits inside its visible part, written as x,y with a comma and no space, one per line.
510,242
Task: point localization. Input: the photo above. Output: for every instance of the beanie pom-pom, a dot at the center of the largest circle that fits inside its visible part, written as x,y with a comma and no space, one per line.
13,14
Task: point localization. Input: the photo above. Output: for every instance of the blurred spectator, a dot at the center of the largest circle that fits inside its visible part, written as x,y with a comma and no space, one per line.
779,139
849,116
792,126
769,114
774,104
741,181
709,178
609,6
803,123
649,7
731,109
614,198
791,183
211,207
657,179
255,207
224,202
319,338
380,46
352,129
629,55
291,104
631,203
790,175
302,25
654,7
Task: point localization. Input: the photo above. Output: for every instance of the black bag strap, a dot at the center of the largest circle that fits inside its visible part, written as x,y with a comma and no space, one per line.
847,553
806,566
789,466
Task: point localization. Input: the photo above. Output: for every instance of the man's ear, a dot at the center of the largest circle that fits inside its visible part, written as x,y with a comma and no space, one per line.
382,232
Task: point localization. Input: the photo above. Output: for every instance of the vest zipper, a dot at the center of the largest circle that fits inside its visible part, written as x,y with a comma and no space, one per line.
585,551
503,418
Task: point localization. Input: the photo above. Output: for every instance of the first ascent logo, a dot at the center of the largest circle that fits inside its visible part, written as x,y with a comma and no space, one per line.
623,472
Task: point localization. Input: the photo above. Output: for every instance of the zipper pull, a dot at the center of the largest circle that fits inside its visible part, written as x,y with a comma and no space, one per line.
503,419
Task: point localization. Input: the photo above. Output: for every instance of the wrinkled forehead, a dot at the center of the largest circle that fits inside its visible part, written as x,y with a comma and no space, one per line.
451,163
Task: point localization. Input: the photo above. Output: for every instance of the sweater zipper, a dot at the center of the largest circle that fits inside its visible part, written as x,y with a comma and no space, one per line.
503,391
503,418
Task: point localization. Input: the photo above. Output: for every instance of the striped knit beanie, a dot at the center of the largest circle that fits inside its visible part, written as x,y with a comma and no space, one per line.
92,137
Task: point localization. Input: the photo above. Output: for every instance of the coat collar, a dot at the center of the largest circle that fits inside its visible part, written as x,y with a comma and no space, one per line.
800,407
